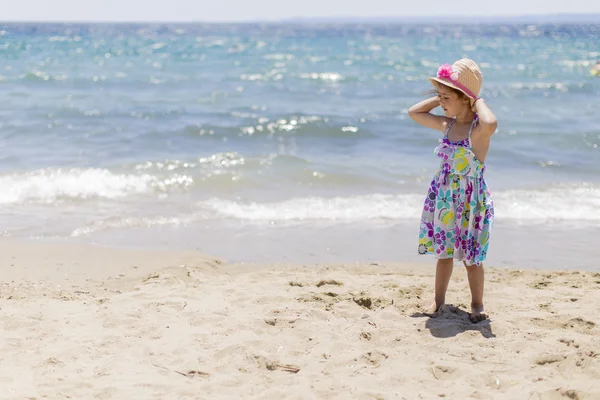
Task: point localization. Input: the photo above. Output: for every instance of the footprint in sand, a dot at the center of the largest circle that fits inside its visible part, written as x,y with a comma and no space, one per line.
443,372
546,359
562,394
411,292
560,322
374,357
331,282
569,342
540,284
323,298
586,358
580,325
282,320
297,284
365,300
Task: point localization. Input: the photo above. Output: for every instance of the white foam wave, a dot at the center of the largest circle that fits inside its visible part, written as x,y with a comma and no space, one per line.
50,185
568,204
131,222
377,206
558,204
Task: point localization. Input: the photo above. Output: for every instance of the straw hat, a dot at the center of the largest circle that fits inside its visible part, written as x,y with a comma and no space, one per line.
464,75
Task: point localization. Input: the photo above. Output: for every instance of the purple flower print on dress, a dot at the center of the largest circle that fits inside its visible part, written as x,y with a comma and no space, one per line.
477,224
440,240
464,243
443,150
430,201
440,249
433,185
431,196
428,228
440,236
469,191
446,168
473,249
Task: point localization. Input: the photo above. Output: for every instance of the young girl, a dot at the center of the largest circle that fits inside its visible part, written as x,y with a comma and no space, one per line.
458,212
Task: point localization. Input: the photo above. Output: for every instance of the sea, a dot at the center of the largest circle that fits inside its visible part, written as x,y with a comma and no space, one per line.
290,141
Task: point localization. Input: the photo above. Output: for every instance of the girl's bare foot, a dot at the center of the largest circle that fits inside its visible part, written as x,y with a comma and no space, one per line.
478,313
434,309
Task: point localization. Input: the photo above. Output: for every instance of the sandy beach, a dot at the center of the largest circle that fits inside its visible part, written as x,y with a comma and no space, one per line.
86,322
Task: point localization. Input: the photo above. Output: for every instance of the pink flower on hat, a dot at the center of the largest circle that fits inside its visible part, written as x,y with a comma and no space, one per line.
448,71
445,71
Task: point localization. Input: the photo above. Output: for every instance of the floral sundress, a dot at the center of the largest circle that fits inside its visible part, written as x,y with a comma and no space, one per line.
458,212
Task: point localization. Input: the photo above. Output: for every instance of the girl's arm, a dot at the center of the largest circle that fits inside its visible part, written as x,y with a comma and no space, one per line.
420,113
487,119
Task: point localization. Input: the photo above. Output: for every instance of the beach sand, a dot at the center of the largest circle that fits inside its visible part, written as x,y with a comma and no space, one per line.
85,322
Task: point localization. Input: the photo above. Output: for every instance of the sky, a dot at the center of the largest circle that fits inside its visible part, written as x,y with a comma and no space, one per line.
247,10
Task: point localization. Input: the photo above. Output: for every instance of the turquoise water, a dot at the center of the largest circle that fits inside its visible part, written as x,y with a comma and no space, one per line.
120,129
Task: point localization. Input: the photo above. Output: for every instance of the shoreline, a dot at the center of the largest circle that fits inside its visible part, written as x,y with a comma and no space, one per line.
515,246
184,323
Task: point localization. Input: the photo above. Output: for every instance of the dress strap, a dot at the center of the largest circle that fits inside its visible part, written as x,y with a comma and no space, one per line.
448,128
472,126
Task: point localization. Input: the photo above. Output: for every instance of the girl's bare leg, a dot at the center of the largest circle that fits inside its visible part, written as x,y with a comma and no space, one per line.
476,277
443,272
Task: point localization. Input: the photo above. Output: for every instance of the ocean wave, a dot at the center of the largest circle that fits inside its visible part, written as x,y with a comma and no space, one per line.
376,206
230,170
47,186
556,204
131,222
217,160
516,206
294,125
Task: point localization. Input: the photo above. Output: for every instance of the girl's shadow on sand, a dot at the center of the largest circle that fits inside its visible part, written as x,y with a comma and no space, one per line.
451,321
